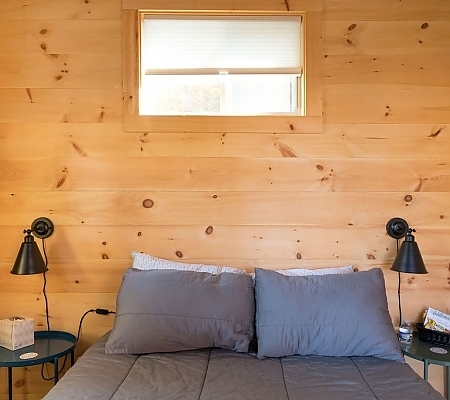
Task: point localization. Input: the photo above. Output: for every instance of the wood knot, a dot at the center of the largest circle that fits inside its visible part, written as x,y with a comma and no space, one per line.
148,203
408,198
179,254
319,167
351,27
19,383
209,230
43,31
299,256
424,25
370,257
105,256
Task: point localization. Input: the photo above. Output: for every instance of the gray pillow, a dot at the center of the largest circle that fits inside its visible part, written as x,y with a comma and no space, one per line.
329,315
169,310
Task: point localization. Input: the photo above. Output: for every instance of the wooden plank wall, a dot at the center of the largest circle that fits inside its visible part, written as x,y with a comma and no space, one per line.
255,199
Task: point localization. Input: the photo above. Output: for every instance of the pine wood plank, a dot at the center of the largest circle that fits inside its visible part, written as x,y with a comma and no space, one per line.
406,141
108,249
61,9
382,10
375,38
387,71
419,106
64,71
60,105
55,37
207,208
271,5
227,174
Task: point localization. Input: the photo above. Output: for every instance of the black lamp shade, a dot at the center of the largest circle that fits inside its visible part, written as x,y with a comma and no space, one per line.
29,260
408,258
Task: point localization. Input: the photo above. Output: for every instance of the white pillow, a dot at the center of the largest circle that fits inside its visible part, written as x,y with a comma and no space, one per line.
144,261
318,271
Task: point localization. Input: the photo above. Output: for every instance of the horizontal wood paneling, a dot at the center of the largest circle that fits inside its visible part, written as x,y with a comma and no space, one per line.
419,106
427,39
245,195
61,71
60,10
386,71
52,38
271,5
387,10
227,174
60,105
225,208
340,141
292,244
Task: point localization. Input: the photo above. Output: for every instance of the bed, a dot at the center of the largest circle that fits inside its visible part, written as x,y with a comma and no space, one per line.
205,332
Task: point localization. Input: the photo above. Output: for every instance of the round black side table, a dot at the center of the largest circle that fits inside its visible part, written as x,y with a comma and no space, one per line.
429,353
48,346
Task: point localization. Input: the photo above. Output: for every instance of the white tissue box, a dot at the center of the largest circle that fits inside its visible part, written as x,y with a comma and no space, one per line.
16,332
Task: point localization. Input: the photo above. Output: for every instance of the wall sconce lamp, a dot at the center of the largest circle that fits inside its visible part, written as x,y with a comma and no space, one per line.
408,258
29,259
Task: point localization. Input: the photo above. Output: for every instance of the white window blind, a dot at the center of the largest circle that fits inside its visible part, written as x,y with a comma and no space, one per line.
214,44
220,65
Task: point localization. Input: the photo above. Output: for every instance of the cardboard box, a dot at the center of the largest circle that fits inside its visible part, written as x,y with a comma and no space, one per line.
16,332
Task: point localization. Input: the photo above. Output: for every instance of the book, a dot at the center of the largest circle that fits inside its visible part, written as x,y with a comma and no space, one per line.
437,321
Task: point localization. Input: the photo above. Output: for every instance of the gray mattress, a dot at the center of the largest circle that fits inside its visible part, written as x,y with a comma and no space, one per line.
216,374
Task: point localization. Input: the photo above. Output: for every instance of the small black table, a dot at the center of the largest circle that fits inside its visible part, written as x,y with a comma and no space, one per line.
429,353
48,346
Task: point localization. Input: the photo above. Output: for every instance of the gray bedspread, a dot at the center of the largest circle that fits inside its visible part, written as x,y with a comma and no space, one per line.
216,374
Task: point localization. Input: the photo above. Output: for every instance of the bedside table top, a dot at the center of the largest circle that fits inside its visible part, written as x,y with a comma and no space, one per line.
424,351
47,344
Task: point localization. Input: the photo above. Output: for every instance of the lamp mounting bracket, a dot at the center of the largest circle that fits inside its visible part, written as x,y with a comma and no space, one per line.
42,227
397,228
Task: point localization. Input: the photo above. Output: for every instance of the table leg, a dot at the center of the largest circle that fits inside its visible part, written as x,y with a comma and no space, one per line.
72,357
447,382
425,369
10,383
55,365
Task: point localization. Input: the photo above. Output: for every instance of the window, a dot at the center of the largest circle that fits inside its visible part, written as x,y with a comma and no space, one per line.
208,93
220,65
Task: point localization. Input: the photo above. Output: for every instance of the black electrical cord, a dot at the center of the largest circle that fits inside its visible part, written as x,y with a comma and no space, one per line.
51,378
81,321
44,292
399,296
101,311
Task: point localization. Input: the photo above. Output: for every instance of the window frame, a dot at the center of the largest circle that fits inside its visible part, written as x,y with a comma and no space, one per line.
311,122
